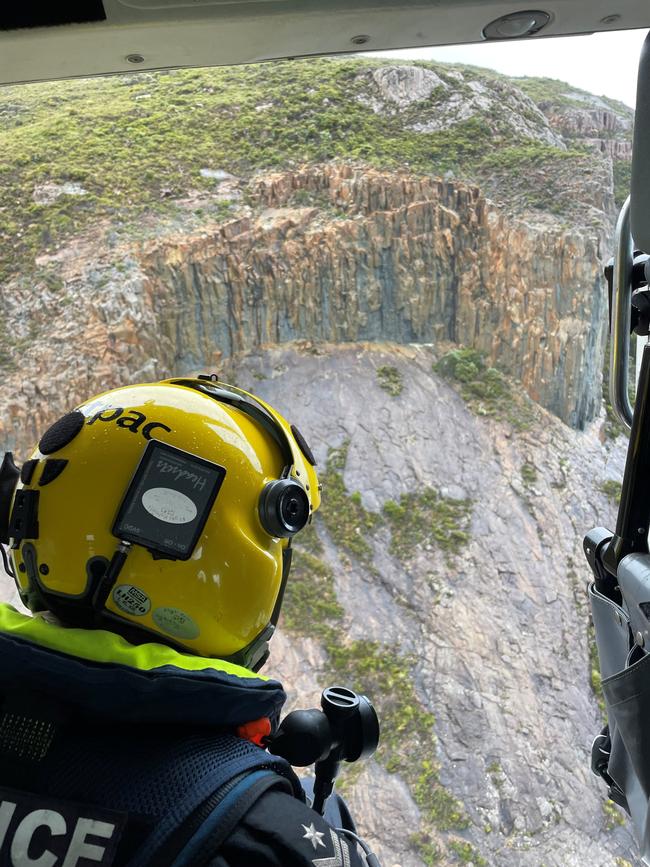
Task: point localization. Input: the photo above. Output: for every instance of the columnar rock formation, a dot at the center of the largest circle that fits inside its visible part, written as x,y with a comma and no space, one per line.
326,253
396,257
599,127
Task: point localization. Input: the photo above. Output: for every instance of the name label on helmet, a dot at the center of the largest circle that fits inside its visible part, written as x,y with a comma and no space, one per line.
168,500
132,420
52,833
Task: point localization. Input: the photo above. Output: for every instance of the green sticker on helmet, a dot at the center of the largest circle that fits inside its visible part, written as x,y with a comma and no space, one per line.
175,622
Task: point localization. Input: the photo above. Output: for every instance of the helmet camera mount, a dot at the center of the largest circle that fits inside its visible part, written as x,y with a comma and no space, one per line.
346,729
284,507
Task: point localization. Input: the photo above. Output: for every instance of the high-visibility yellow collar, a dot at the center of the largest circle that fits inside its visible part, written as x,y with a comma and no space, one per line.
100,645
98,675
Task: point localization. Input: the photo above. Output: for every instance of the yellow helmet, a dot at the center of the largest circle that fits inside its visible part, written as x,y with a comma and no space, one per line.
168,509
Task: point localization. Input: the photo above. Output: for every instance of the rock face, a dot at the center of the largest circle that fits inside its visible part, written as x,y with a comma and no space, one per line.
498,632
401,258
405,85
601,128
509,264
448,101
581,118
377,256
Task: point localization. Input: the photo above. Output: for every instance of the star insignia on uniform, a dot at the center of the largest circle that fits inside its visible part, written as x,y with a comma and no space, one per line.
315,837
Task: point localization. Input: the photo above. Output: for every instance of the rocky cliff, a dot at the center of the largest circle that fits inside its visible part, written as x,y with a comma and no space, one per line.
602,124
331,253
490,623
584,120
375,256
503,254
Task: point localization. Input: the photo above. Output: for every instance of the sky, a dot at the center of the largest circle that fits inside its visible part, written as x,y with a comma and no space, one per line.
603,63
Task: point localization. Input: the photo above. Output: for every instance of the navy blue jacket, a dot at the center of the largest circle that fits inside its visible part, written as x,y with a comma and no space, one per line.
109,752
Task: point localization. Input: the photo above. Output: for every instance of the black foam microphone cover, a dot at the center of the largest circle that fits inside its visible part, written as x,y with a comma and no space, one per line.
9,474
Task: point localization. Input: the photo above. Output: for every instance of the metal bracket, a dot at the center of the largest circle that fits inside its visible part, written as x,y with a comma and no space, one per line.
621,318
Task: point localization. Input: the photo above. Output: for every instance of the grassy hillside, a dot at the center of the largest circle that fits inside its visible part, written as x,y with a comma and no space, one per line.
552,91
125,147
554,95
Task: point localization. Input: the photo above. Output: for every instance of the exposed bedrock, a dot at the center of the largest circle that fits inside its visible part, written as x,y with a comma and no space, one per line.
390,256
330,253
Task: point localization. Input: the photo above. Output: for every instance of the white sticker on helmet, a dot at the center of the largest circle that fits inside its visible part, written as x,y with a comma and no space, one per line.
131,599
168,505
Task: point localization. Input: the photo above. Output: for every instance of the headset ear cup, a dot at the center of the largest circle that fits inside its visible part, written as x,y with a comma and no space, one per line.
284,508
9,474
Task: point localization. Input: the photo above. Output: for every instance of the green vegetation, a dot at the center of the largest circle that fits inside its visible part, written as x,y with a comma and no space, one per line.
552,91
612,489
495,771
518,157
390,379
613,426
127,149
528,473
310,606
485,389
549,91
466,853
309,541
613,816
535,175
428,850
427,516
130,146
344,516
418,518
408,744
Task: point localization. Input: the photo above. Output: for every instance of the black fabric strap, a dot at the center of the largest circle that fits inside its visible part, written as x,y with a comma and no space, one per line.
237,813
173,847
246,405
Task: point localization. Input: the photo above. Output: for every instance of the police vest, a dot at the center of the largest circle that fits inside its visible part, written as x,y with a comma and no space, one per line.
103,764
121,802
